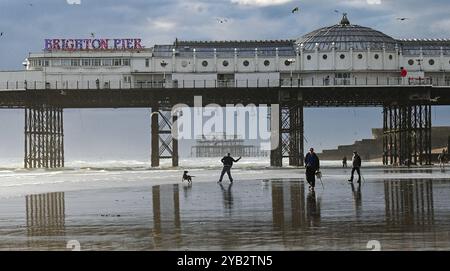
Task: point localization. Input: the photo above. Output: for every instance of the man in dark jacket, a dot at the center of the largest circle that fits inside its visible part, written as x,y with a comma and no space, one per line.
356,161
312,165
227,164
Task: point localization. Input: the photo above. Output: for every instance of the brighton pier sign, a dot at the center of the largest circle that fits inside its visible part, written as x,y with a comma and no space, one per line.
92,44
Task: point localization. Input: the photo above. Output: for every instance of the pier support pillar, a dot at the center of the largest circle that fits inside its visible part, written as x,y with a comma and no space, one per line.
407,135
44,137
164,146
448,145
290,130
294,132
154,137
276,154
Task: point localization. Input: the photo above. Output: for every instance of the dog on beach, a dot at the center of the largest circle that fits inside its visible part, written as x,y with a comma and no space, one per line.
186,177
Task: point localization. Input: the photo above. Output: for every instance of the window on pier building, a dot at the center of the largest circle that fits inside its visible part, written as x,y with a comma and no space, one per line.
117,62
74,62
342,78
126,62
65,62
96,62
107,62
85,62
56,62
147,62
127,79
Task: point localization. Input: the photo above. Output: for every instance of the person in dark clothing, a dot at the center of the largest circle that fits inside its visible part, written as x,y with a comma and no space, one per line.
312,165
344,161
227,164
356,161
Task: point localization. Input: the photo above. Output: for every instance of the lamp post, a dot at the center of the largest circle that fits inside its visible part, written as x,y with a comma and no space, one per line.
419,62
291,61
163,65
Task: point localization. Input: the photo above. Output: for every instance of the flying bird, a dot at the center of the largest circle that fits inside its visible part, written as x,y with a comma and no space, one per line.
93,35
434,99
1,34
296,9
220,20
402,19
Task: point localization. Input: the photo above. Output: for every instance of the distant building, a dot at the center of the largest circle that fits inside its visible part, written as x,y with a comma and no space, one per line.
373,148
219,145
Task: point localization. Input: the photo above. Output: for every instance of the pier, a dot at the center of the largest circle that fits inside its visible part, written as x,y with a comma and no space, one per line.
406,114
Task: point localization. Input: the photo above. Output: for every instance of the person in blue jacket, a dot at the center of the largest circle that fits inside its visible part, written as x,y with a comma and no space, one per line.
312,165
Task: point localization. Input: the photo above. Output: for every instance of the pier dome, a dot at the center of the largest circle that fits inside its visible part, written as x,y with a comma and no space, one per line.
345,36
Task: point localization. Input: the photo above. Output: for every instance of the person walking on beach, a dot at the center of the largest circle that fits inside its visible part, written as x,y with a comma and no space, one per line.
312,164
356,164
442,159
344,161
227,164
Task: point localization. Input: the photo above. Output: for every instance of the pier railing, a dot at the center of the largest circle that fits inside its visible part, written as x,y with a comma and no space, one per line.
247,83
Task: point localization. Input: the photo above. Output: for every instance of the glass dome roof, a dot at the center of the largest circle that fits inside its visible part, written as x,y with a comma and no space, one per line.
344,36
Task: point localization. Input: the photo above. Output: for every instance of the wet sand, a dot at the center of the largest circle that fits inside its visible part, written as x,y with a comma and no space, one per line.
401,209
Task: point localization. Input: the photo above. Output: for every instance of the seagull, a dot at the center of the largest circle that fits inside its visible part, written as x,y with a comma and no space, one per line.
93,35
402,19
1,34
434,99
296,9
222,20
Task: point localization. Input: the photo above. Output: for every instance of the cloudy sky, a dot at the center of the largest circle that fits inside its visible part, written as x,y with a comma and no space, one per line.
26,23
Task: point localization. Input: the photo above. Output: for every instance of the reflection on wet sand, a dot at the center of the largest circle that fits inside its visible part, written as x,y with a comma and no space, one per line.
409,202
278,214
45,217
407,170
313,210
227,197
166,214
289,208
187,190
357,197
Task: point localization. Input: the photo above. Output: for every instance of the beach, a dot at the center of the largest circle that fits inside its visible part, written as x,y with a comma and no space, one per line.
121,207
